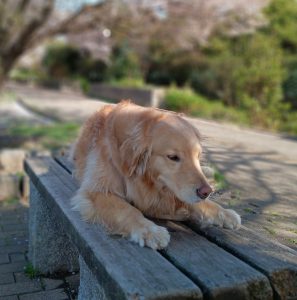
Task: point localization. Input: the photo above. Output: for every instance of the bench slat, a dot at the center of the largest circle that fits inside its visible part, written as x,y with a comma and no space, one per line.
276,261
220,274
125,270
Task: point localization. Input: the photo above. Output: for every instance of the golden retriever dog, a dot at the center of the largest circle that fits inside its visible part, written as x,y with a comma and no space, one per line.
135,163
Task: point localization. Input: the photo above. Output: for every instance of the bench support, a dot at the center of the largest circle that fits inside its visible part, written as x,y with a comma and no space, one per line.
89,287
50,249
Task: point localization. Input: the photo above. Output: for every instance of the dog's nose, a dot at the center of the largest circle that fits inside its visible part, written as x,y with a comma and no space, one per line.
204,191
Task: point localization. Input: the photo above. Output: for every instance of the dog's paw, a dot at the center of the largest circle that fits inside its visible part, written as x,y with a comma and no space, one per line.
230,219
152,236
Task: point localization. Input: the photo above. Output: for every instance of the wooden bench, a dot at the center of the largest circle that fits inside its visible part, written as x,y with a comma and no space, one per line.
209,264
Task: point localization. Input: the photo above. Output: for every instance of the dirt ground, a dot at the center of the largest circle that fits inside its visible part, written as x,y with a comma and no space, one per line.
259,167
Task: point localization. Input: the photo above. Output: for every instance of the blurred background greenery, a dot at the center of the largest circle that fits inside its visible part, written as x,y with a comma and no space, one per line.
223,60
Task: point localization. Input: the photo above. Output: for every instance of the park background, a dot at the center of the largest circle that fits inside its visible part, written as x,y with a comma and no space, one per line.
225,60
231,65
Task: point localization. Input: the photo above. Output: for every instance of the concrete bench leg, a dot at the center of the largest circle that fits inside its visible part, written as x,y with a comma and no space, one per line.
89,288
50,250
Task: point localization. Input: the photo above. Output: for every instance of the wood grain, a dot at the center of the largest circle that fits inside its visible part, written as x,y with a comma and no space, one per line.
276,261
125,270
217,272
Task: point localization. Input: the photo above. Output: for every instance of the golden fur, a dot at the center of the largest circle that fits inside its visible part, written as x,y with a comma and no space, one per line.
135,162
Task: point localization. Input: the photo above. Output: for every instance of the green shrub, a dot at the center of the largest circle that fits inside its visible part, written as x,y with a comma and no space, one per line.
289,124
61,61
185,100
168,64
290,88
157,76
245,72
282,16
84,85
25,74
93,70
128,82
124,63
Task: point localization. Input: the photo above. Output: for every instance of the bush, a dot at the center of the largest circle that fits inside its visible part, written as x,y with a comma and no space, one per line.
168,64
61,61
290,89
129,82
66,62
245,72
185,100
124,63
25,74
92,70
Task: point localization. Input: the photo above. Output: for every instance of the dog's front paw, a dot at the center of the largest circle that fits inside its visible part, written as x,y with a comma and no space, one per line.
152,236
230,219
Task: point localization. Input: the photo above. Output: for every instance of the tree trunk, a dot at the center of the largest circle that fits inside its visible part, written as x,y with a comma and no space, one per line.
12,50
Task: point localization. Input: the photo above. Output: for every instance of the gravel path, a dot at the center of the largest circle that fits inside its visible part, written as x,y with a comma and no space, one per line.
260,167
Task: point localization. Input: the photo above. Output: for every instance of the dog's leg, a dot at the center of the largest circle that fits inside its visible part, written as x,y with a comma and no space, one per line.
208,212
119,217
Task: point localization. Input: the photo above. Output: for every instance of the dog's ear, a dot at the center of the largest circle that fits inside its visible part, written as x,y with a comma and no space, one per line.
135,151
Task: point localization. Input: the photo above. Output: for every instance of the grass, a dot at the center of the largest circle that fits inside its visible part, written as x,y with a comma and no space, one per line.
7,96
220,180
293,241
249,210
10,201
185,100
270,230
30,271
51,137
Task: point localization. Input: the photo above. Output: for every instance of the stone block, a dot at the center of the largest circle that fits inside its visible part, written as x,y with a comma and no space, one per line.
50,249
19,288
89,287
11,160
6,278
46,295
17,257
4,259
12,267
9,186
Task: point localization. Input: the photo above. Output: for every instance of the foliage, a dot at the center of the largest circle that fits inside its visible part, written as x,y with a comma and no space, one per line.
61,61
185,100
290,88
245,72
92,70
289,123
282,16
64,61
25,74
124,63
30,271
168,65
129,82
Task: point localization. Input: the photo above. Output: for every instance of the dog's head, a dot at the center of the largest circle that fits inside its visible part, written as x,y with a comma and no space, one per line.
167,150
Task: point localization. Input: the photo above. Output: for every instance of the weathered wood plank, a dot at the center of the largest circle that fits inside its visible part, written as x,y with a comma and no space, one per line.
63,161
276,261
217,272
125,270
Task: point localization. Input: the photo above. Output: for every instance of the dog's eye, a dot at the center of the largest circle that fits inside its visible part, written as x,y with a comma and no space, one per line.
173,157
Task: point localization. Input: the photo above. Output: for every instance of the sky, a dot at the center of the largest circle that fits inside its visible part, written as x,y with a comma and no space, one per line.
72,5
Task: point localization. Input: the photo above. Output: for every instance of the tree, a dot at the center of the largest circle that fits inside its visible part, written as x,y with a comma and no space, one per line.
19,21
282,16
